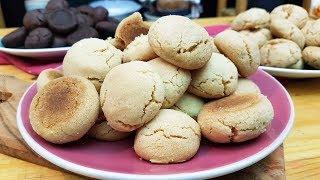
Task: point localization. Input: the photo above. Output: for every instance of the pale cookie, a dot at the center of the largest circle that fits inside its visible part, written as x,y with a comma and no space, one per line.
131,95
216,79
215,49
46,76
91,58
65,109
260,36
171,137
236,118
312,33
180,41
246,86
298,65
283,28
138,50
102,131
131,27
280,53
189,104
116,42
176,80
254,18
311,55
296,14
307,25
241,50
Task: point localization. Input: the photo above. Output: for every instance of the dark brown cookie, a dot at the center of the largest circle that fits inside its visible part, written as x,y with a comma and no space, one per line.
81,33
84,19
34,19
59,41
62,21
100,14
85,9
56,5
15,39
75,11
39,38
106,29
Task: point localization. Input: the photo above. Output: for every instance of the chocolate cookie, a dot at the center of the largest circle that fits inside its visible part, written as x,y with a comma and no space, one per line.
81,33
15,39
59,41
106,29
100,14
83,19
39,38
75,11
85,9
56,5
62,21
34,19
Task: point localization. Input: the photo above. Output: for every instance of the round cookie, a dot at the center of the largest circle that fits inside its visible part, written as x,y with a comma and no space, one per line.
34,19
46,76
91,58
102,131
283,28
311,55
189,104
139,49
298,65
241,50
312,33
84,20
64,110
171,137
15,39
106,29
176,80
246,86
280,53
59,41
307,25
216,79
296,14
56,5
261,36
81,33
254,18
62,21
180,41
100,14
131,95
39,38
236,118
86,9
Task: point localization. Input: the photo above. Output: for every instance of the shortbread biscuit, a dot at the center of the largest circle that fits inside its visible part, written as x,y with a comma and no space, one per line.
236,118
171,137
64,109
138,50
131,95
216,79
311,55
241,50
176,80
46,76
189,104
254,18
246,86
296,14
180,41
260,36
280,53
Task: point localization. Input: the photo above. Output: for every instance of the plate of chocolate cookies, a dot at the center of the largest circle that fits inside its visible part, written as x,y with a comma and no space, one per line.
48,33
157,101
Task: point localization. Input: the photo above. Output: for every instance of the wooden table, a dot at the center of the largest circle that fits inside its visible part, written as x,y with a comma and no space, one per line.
302,147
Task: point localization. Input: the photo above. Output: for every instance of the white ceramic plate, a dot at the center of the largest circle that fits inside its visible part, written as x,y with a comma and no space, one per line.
291,73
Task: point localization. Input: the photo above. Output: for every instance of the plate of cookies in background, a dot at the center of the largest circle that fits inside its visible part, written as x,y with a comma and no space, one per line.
287,37
48,33
156,102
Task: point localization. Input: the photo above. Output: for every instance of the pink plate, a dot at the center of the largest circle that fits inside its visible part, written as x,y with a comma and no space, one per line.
117,160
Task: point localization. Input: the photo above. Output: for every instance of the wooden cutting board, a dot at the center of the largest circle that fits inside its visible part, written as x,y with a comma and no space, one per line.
12,144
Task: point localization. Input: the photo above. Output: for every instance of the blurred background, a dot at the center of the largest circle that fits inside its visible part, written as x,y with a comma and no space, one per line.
12,11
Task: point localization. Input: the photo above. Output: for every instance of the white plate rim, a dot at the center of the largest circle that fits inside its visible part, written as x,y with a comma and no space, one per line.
291,71
29,51
100,174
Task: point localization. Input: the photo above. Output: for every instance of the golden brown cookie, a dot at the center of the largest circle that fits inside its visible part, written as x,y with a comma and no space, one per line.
254,18
102,131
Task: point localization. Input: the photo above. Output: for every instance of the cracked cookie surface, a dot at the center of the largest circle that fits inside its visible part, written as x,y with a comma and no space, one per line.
46,76
176,80
311,55
171,137
296,14
236,118
254,18
261,36
91,58
216,79
280,53
180,41
65,109
131,95
312,33
241,50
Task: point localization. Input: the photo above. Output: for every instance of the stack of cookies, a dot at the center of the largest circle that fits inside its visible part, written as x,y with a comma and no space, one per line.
169,84
287,37
59,25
